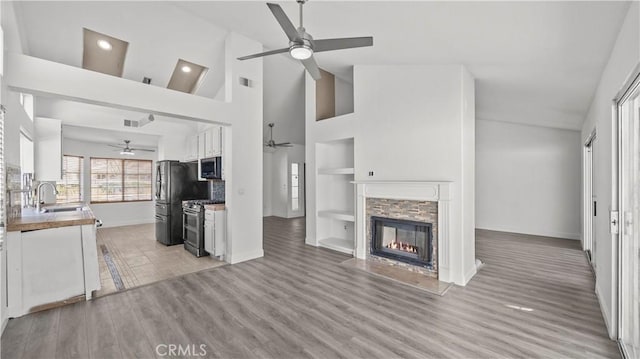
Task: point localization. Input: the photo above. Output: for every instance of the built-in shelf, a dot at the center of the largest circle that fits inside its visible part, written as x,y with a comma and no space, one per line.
337,244
338,214
335,195
336,171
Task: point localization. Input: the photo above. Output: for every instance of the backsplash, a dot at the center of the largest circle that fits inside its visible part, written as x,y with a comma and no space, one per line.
216,190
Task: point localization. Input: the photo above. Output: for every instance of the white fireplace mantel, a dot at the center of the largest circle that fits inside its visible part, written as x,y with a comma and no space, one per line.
436,191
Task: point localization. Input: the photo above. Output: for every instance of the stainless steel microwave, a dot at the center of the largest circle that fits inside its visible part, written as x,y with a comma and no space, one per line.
211,168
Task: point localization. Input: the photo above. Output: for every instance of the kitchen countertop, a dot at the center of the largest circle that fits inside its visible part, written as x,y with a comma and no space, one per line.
31,220
214,207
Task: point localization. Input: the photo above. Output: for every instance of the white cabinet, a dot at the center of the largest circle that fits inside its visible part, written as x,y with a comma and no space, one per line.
48,149
202,145
213,141
192,148
215,232
210,142
50,266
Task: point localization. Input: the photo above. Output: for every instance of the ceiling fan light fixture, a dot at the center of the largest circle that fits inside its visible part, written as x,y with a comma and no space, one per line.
127,152
300,51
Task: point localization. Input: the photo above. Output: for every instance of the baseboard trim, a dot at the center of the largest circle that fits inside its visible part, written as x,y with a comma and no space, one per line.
552,234
605,313
470,274
246,256
5,321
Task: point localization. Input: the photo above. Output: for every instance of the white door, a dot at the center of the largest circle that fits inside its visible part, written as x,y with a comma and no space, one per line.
296,197
629,222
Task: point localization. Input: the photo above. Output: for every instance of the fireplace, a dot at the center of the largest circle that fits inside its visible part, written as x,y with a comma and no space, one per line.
402,240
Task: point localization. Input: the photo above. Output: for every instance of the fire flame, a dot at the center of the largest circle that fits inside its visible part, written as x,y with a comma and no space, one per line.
401,246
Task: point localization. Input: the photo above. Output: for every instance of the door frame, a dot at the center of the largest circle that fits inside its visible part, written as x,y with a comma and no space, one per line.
629,87
587,197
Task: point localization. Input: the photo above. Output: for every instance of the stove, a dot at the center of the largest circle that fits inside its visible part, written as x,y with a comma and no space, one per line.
198,204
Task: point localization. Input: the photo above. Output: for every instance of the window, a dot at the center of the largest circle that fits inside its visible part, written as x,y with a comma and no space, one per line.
120,180
70,188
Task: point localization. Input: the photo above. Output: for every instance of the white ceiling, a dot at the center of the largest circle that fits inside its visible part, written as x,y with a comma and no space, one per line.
158,35
535,62
110,137
108,120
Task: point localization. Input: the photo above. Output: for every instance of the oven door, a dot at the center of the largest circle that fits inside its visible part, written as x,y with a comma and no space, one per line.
191,227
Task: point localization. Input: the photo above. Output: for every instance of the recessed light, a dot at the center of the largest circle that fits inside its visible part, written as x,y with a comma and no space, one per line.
104,44
186,69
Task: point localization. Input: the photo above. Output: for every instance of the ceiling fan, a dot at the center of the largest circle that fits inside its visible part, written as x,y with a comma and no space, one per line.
271,143
302,45
126,150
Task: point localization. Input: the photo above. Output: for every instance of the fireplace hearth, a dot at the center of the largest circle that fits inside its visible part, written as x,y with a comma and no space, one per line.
402,240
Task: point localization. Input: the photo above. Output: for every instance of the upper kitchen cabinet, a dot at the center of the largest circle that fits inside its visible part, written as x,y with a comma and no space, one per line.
202,145
48,149
210,142
213,141
191,149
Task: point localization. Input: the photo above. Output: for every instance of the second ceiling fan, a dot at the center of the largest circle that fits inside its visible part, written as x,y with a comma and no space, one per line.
302,46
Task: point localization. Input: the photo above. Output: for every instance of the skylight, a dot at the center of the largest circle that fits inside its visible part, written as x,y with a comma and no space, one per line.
103,53
187,76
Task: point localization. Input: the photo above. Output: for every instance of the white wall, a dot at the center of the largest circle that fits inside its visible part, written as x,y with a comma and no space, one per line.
267,180
624,57
527,179
243,151
15,120
284,98
279,183
410,123
111,214
344,96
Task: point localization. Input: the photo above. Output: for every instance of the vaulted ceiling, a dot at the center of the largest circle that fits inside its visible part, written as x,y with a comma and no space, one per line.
535,62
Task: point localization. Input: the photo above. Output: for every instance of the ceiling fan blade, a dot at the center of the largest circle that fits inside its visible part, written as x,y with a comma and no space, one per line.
267,53
312,66
341,43
283,144
116,146
284,21
142,149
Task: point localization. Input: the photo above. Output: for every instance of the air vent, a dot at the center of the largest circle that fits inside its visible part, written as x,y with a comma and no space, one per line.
133,123
187,76
130,123
245,82
103,53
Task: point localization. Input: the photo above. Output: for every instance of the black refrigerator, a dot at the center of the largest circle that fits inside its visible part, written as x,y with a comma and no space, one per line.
175,182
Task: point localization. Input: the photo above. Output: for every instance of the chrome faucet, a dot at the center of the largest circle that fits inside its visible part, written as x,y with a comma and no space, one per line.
39,191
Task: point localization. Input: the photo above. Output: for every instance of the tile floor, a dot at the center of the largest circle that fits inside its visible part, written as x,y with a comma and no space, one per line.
139,259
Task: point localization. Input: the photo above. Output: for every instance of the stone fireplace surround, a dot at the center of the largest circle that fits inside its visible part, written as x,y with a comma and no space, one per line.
421,201
402,209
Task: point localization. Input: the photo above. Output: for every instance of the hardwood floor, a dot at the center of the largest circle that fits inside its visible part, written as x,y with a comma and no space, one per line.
533,298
